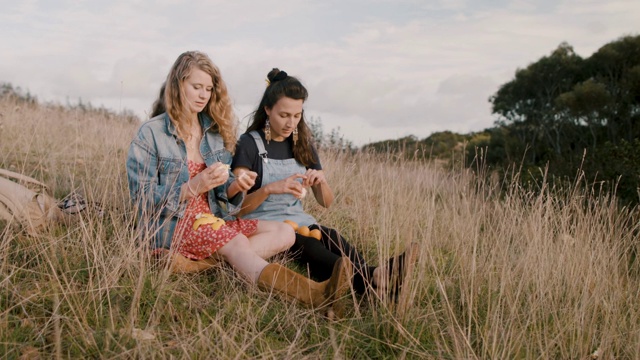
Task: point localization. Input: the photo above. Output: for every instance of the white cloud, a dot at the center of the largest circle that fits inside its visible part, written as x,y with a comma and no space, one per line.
377,69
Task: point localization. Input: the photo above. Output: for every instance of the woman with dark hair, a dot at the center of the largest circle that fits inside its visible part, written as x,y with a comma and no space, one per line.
186,196
278,147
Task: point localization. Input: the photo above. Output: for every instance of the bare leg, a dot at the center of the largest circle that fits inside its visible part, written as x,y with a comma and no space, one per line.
240,255
275,277
271,238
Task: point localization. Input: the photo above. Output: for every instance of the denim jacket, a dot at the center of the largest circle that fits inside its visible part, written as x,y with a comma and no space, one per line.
156,170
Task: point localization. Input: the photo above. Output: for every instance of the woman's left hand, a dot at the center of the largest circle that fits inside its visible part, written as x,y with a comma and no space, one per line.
246,180
313,177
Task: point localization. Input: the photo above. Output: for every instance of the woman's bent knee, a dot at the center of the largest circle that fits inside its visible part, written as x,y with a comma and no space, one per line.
237,243
281,233
286,234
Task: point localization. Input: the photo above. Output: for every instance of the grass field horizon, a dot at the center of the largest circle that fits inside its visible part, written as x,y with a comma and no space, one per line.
503,272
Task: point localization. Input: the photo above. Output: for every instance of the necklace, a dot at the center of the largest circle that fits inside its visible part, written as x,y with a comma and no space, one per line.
193,142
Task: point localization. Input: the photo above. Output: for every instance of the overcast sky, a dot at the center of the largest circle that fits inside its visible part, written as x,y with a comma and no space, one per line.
377,69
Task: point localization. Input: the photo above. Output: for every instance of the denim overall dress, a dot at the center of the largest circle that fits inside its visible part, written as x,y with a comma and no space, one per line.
279,207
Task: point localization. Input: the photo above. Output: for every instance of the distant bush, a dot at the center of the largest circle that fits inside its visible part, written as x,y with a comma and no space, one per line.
17,94
7,91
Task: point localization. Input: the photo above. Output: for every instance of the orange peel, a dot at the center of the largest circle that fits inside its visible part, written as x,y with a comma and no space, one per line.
207,219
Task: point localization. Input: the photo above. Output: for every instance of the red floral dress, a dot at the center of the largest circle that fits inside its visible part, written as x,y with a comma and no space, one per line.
204,241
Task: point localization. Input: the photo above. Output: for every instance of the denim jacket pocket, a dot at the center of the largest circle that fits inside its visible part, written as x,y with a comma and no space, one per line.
168,171
221,155
224,156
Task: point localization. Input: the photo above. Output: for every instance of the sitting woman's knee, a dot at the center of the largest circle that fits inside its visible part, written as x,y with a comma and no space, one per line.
288,235
239,243
282,236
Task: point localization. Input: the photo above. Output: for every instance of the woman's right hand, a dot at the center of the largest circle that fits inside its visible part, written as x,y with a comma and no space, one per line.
211,177
289,185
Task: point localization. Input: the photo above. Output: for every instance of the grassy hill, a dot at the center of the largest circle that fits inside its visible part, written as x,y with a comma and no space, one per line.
500,275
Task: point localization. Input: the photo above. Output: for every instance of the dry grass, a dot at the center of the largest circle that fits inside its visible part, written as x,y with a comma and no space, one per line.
501,275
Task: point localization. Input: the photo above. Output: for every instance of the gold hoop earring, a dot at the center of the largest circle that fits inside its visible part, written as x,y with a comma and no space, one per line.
295,136
267,131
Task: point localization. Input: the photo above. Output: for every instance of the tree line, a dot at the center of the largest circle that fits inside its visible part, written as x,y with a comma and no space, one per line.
564,113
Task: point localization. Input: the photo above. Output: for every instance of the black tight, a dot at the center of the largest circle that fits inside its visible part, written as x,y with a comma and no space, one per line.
320,256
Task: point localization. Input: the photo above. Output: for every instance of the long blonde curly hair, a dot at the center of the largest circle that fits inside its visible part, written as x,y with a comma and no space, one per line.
218,108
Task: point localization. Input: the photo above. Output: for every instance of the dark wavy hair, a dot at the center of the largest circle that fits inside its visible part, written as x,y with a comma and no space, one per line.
279,87
158,106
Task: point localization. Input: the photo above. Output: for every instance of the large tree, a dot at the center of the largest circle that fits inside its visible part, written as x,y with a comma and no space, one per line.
527,104
562,107
616,66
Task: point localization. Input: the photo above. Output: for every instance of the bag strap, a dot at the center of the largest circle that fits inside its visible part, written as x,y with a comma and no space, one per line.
12,175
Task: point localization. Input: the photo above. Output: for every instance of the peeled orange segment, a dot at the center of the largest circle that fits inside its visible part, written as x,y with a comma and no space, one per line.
315,233
293,224
203,219
303,230
218,224
207,219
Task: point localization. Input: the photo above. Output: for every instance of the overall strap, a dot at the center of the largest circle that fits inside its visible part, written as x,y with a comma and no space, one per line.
262,152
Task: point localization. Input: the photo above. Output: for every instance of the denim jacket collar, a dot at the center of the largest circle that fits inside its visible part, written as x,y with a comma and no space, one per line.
205,121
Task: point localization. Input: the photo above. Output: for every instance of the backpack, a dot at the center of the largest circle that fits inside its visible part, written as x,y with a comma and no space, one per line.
25,201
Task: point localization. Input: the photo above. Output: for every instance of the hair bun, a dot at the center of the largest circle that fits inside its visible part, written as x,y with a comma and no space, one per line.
272,73
276,75
280,76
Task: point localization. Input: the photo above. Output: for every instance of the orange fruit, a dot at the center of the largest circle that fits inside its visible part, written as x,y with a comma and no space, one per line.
315,233
303,230
293,224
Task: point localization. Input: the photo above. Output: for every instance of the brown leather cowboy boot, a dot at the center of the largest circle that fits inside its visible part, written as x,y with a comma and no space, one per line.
332,292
